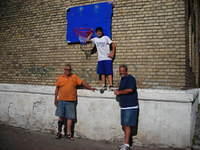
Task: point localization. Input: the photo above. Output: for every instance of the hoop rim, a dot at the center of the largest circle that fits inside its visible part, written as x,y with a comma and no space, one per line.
83,30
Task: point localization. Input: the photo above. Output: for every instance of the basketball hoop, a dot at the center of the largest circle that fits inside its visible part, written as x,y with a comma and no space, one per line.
83,35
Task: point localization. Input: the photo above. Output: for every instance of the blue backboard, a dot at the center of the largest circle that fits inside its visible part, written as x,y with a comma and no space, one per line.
89,16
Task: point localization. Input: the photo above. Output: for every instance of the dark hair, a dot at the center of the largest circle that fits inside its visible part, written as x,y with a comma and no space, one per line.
124,66
99,29
68,65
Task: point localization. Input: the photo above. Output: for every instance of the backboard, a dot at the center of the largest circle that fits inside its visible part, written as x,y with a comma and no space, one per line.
89,16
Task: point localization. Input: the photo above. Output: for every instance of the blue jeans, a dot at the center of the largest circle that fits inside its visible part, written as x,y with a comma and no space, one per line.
129,117
66,110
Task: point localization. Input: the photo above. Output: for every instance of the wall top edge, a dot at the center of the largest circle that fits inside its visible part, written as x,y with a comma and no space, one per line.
143,94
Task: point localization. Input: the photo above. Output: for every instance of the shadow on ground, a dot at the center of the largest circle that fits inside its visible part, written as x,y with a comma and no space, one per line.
12,138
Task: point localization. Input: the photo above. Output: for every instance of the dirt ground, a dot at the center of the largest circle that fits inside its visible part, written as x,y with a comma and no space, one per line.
12,138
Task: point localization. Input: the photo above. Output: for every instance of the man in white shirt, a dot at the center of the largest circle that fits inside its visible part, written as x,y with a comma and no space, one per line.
105,56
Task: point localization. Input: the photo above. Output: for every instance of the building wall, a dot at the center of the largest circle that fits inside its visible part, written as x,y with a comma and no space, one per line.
150,37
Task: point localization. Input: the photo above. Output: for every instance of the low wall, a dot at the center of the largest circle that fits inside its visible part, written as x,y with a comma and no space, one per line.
167,117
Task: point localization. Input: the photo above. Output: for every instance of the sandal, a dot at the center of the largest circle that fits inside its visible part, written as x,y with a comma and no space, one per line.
58,135
69,136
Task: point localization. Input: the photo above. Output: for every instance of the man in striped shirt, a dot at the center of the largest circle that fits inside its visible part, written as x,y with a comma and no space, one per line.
128,101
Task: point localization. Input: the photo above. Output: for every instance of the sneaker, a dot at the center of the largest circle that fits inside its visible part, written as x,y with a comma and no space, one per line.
124,147
110,88
104,87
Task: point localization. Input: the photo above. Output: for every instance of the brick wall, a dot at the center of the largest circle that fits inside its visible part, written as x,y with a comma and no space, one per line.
150,38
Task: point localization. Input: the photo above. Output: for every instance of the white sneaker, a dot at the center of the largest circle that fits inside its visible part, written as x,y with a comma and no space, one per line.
124,147
110,88
104,87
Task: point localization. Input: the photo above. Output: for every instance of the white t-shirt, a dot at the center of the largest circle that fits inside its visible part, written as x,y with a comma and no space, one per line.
103,47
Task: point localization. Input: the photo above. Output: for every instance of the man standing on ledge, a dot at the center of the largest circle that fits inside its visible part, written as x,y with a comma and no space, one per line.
128,101
66,100
105,57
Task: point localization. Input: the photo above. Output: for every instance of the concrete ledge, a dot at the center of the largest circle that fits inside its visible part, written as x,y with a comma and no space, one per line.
185,96
167,117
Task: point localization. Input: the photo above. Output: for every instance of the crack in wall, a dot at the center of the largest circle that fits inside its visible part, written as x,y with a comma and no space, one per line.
36,104
9,107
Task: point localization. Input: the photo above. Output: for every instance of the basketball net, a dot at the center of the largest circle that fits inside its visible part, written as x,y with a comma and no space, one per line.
83,34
